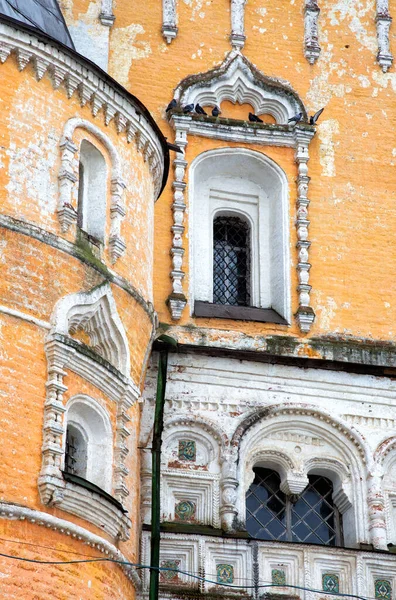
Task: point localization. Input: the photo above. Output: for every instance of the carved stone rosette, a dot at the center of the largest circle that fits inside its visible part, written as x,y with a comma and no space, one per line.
177,300
311,34
169,20
305,314
383,21
238,37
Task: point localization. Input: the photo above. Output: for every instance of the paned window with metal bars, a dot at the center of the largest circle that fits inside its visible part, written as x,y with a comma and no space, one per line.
231,261
71,449
271,515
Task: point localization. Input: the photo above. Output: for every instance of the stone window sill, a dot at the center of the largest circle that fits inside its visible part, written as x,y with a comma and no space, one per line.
237,313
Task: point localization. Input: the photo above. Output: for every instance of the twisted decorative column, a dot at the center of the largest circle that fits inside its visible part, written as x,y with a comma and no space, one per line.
305,314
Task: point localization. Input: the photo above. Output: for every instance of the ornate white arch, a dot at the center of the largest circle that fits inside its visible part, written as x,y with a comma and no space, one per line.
269,434
67,213
238,81
96,313
200,423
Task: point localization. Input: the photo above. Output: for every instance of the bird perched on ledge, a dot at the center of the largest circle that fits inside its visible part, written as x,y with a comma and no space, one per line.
315,117
216,111
254,118
296,119
199,110
189,108
172,104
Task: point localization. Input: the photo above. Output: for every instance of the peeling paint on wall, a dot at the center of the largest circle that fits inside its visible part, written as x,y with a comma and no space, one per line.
127,49
89,36
354,11
327,146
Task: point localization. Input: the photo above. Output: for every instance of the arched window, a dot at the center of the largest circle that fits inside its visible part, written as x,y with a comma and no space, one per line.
92,189
89,443
312,517
231,261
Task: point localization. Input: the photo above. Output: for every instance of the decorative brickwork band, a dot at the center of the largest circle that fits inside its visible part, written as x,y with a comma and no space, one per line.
238,36
383,21
311,34
169,20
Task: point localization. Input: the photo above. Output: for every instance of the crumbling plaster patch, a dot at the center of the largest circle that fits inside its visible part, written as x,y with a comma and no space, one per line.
196,6
89,36
326,312
126,49
326,132
355,11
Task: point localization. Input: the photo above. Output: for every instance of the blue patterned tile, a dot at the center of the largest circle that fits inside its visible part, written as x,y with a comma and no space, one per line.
225,573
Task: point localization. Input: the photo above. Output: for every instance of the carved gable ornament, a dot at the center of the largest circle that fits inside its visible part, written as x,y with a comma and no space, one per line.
238,81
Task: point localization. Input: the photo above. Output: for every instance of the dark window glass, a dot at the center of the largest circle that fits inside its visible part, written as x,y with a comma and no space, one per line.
271,515
231,261
75,452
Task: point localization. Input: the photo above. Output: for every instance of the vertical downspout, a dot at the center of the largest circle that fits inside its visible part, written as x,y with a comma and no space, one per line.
156,464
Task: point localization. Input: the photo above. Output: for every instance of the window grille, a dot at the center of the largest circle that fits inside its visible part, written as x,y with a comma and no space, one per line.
70,454
271,515
231,261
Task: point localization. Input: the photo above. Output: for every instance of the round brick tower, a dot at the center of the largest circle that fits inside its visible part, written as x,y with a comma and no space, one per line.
81,165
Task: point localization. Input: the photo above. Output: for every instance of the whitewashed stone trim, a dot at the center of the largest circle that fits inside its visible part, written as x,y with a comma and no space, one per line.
25,317
96,313
238,37
107,16
21,513
177,300
236,80
311,33
305,315
67,213
93,89
383,22
169,20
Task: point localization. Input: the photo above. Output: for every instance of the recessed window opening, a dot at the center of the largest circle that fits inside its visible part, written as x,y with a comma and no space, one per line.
311,518
231,261
76,452
92,190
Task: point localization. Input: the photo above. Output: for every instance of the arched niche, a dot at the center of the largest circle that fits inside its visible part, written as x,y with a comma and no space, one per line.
300,441
92,191
190,447
249,185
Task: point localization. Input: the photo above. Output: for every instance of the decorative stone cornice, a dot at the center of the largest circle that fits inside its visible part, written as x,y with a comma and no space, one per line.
94,90
15,512
311,34
169,20
383,21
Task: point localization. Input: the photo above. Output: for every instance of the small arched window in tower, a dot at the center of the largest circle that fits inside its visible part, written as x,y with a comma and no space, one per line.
92,189
312,517
231,261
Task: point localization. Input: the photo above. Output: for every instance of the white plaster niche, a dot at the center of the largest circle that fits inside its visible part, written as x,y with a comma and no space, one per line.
237,188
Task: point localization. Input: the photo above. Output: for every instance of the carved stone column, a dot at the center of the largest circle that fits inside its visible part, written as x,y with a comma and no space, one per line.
305,314
177,299
238,37
311,34
228,485
383,21
67,214
169,20
376,509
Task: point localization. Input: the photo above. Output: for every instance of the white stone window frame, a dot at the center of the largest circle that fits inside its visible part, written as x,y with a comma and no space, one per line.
67,211
257,212
96,313
236,80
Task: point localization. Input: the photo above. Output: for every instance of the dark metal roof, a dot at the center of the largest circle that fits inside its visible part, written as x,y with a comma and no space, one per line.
44,15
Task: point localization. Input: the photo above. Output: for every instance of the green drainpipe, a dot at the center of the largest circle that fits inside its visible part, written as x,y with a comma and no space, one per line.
156,464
